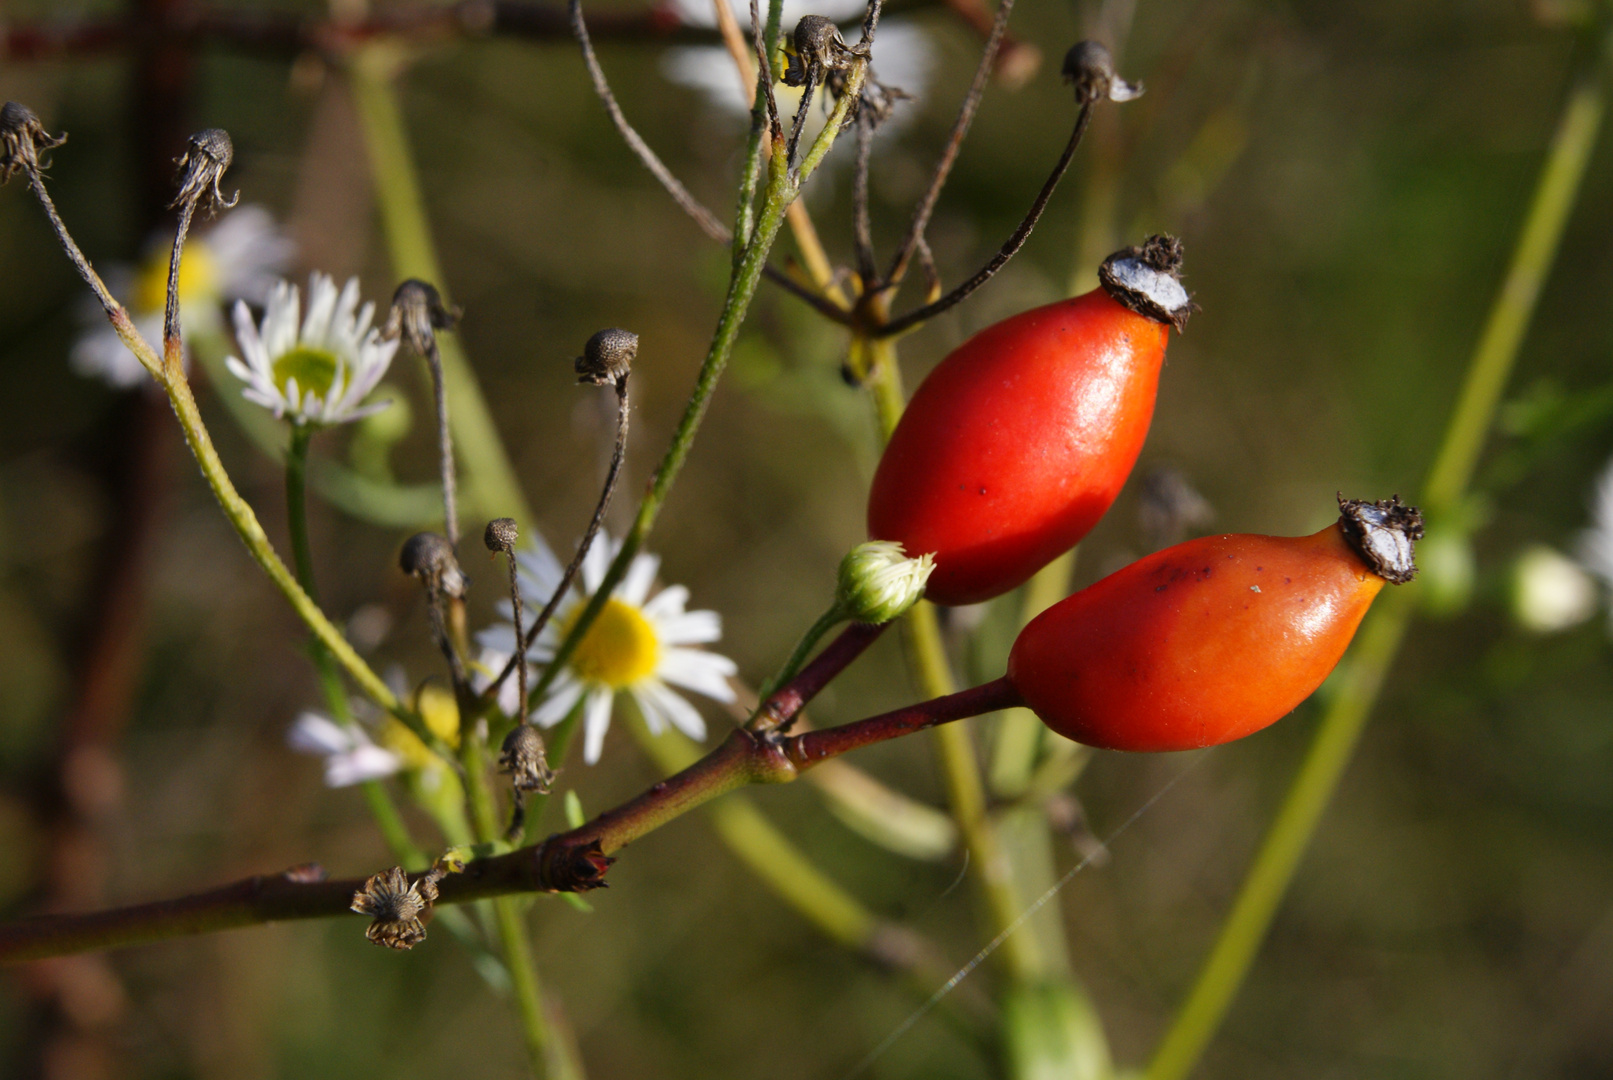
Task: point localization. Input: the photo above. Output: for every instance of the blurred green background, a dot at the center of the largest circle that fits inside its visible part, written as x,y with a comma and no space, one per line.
1349,178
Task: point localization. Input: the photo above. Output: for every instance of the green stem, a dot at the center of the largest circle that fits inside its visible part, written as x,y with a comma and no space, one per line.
792,666
781,191
493,486
1374,653
960,768
393,829
250,530
1019,732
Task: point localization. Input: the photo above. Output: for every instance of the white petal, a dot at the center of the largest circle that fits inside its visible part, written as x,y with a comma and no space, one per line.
698,670
563,695
598,722
596,562
667,603
315,734
361,764
693,628
640,576
683,715
654,717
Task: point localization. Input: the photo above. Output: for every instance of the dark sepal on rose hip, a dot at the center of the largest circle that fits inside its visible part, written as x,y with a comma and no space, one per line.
1384,534
1148,280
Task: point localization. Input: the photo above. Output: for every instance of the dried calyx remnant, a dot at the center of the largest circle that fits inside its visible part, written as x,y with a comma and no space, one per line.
417,311
1384,534
207,156
608,357
523,758
397,907
22,139
1148,280
429,557
1090,68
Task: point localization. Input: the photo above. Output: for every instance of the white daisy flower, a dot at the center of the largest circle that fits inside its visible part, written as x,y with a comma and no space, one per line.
903,57
315,369
350,756
639,644
240,258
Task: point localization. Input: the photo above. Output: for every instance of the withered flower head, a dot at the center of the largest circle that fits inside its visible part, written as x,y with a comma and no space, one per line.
396,906
501,535
417,312
607,357
523,758
22,139
1091,69
877,101
430,557
207,155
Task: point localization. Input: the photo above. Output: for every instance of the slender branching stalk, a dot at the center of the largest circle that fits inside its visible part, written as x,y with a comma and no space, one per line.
570,861
949,152
1365,670
1009,248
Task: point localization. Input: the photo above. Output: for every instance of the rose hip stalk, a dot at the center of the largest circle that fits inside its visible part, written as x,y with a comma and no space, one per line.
1213,639
1018,442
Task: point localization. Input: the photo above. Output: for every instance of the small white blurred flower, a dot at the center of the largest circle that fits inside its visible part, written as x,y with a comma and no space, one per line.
318,369
240,258
639,644
878,581
1550,591
350,756
1596,542
903,56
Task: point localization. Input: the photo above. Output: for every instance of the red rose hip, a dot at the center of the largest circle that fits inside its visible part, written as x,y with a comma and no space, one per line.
1213,639
1018,442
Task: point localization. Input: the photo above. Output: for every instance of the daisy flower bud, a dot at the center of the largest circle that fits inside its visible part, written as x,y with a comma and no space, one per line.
878,581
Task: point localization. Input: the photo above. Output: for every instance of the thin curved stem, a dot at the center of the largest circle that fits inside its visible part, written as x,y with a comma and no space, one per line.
618,453
635,142
781,191
954,143
1009,248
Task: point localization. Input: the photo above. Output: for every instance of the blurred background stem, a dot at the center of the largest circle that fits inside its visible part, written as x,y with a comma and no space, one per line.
1362,678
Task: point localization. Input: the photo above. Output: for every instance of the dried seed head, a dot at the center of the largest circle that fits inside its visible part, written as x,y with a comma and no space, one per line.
607,357
1148,280
1384,534
207,155
523,757
501,535
396,906
417,312
430,557
1091,69
22,139
818,48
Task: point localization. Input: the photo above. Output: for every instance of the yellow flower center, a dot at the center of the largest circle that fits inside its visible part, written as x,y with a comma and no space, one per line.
436,706
314,369
619,650
198,279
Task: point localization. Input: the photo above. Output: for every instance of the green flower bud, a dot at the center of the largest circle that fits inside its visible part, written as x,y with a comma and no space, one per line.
878,582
